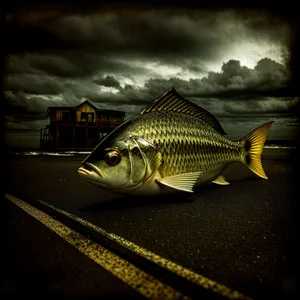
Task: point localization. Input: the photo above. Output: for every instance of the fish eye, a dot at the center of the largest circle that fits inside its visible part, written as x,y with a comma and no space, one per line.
112,158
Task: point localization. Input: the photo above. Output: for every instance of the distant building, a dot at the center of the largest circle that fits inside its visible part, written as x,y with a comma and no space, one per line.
78,128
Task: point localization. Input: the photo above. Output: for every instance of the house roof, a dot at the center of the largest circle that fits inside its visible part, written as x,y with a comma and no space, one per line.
56,107
86,101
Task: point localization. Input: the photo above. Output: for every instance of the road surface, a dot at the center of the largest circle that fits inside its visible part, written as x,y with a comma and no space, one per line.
240,236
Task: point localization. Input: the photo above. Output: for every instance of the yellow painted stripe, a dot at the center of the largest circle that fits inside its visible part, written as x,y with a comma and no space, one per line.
165,263
139,280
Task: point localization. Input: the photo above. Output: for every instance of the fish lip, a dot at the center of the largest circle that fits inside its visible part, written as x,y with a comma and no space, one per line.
90,175
83,171
94,168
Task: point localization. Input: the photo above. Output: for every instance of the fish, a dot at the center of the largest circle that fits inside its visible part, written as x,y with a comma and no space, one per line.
172,146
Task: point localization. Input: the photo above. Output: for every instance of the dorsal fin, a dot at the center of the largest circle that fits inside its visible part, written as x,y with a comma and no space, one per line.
172,101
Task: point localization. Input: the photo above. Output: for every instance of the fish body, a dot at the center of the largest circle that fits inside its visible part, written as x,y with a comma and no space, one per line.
172,146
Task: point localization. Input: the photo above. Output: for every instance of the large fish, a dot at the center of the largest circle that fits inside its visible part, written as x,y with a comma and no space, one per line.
173,145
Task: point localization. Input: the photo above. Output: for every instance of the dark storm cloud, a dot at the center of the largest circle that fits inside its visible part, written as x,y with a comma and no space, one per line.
234,81
69,64
181,37
266,25
108,81
57,66
74,45
33,84
23,104
267,79
75,63
268,106
193,65
18,64
126,32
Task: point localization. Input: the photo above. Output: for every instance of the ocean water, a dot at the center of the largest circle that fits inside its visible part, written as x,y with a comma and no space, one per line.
279,147
63,153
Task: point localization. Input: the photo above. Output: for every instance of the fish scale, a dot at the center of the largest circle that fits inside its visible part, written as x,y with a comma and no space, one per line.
187,144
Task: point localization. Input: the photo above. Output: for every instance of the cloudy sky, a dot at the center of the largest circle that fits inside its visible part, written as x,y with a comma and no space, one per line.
232,63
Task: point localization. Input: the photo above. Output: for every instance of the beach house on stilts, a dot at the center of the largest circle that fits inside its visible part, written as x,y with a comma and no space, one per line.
78,128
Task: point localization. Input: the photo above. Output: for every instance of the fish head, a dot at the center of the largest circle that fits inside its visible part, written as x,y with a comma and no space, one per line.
107,166
120,164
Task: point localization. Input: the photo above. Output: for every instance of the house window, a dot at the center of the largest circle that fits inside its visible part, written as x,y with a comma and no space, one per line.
87,117
90,117
83,116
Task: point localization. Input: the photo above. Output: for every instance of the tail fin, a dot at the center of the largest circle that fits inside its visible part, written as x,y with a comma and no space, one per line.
253,144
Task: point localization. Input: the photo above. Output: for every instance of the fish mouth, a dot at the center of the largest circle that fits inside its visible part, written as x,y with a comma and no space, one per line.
91,174
90,168
83,171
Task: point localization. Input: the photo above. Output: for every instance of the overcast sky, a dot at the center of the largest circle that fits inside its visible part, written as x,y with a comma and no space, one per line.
231,63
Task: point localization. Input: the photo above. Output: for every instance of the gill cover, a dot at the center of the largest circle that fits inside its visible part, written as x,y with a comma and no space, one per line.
144,158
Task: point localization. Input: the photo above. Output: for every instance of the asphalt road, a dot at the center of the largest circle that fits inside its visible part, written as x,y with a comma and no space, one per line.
241,235
36,262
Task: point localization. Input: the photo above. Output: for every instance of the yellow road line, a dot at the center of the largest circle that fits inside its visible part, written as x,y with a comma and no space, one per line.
165,263
139,280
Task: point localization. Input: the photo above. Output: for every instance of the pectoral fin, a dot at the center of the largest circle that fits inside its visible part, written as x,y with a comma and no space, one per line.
183,182
220,180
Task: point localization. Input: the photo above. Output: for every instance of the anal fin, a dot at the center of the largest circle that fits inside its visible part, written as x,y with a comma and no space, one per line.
221,180
183,182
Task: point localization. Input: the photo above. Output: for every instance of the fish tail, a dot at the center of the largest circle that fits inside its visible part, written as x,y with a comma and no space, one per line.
253,144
